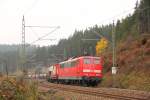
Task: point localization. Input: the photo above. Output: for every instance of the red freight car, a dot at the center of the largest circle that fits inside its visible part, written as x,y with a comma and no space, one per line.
85,70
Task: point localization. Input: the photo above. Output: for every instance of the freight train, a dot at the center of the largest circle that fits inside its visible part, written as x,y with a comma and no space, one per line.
85,70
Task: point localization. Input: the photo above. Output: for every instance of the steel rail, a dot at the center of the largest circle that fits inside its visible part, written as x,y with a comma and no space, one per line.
95,93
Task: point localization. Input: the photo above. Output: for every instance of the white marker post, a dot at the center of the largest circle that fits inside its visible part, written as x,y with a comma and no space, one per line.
114,70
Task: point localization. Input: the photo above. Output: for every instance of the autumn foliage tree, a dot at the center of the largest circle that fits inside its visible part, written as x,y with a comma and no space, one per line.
101,45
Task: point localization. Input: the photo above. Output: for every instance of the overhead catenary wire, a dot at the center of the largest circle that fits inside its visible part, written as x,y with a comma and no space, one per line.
42,26
31,7
119,14
99,22
100,35
34,32
40,38
48,39
138,11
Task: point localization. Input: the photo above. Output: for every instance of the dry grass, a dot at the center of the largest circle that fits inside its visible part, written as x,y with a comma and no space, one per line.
20,89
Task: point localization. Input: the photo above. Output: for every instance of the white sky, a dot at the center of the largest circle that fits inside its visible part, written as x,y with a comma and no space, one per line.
68,14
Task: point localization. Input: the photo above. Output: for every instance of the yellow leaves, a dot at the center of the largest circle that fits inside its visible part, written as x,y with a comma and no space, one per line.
101,45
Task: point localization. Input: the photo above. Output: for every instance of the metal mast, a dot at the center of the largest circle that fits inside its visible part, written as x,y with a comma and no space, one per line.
114,46
114,67
23,50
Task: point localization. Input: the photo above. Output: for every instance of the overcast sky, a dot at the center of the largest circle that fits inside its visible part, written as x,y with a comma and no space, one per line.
68,14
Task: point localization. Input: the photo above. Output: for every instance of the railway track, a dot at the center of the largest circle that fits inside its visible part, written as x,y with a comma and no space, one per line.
95,92
100,92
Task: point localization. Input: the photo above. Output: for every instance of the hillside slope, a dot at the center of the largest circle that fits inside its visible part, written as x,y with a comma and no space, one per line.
133,59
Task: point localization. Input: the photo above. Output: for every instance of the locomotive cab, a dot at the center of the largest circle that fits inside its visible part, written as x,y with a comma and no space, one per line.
92,70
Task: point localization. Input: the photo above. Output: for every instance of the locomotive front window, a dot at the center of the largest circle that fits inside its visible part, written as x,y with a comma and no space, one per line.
66,64
87,61
96,61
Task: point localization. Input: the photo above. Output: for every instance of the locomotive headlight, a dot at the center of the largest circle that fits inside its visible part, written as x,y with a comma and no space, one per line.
86,70
97,71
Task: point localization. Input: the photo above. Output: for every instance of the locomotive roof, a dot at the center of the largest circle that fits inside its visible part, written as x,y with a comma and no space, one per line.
73,59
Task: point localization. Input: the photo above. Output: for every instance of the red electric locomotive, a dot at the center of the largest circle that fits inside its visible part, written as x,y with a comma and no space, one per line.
85,70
